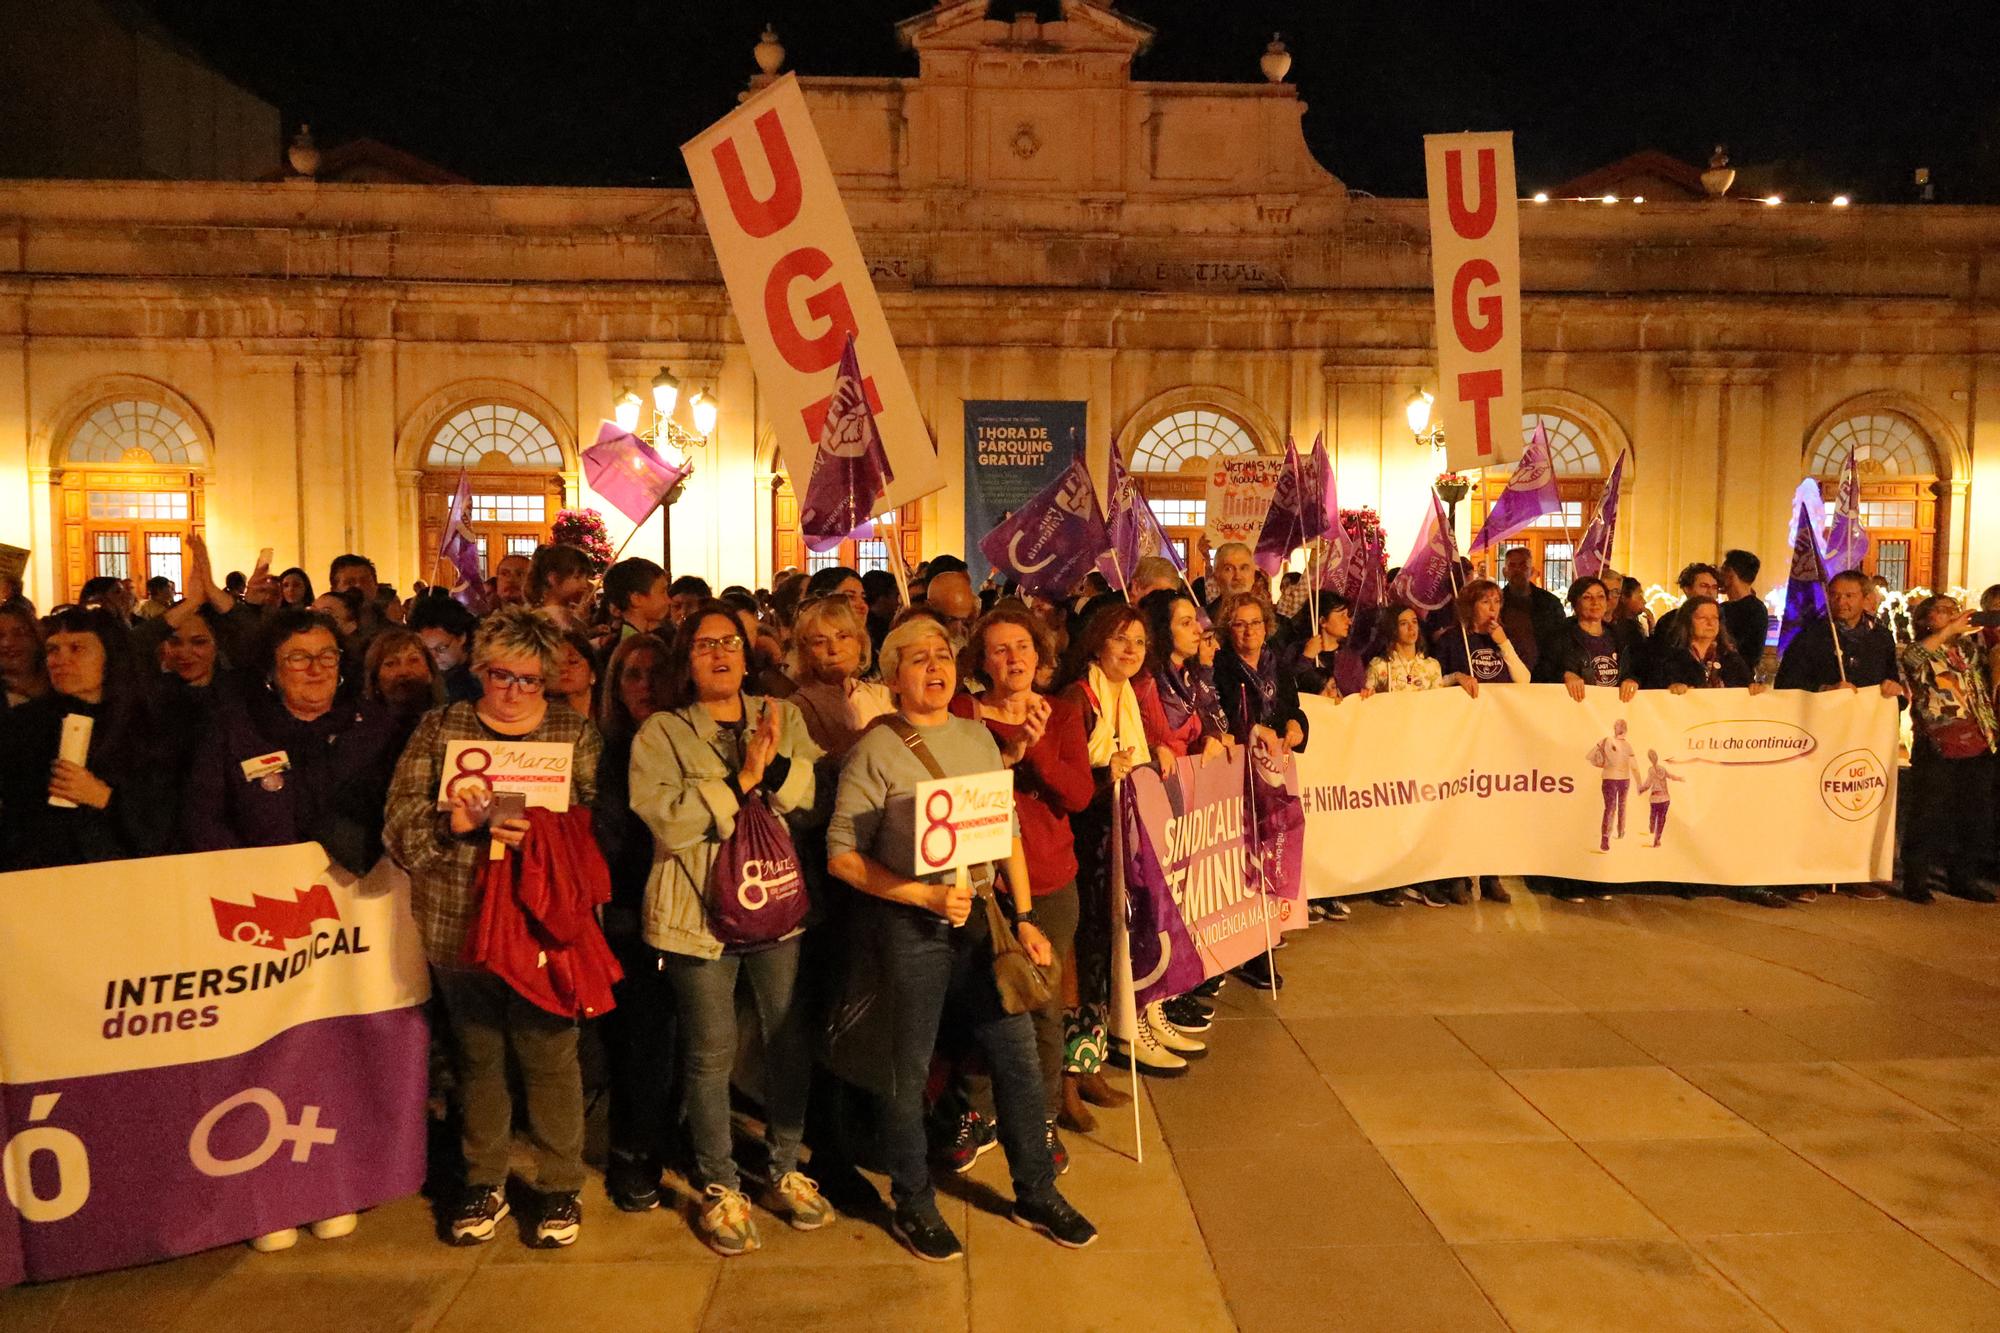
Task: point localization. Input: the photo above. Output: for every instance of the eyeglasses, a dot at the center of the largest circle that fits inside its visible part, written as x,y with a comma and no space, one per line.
299,659
724,643
507,680
1245,626
1137,641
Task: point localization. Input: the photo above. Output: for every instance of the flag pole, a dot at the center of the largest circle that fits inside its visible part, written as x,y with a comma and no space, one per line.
658,505
1122,942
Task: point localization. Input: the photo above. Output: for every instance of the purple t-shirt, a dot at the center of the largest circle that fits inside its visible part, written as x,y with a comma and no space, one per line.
1600,659
1488,664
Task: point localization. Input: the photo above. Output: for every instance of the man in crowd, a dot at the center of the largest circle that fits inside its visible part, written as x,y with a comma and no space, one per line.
510,580
1151,574
1233,571
1744,614
1696,580
686,593
635,591
953,602
1532,615
159,597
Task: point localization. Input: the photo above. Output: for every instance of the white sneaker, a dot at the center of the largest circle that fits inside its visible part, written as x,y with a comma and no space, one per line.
333,1228
1150,1057
273,1241
1170,1036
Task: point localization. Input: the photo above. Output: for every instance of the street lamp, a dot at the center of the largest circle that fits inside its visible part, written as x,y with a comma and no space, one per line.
669,439
1450,487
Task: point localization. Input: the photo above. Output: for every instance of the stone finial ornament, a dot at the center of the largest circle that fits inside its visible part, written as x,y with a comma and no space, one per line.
1276,62
1720,175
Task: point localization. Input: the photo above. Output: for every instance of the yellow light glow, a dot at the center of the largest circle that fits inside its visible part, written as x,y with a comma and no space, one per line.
1841,201
626,411
1541,196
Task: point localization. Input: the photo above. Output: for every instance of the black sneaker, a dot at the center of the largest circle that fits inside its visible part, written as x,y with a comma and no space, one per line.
1491,889
1765,898
1919,892
1389,898
1969,889
1187,1013
1258,974
1434,895
1053,1217
1211,988
1057,1152
479,1215
561,1219
633,1184
973,1138
926,1236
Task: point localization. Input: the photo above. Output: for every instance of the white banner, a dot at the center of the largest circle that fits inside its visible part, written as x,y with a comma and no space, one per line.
1476,292
799,286
1238,497
1708,787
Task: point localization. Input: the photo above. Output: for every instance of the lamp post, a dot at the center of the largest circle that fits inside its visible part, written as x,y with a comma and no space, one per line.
669,439
1427,436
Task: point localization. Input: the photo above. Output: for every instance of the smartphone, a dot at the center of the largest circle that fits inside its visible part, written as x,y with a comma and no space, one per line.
264,557
507,805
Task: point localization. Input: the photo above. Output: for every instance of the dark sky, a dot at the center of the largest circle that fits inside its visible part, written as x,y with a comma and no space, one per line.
1832,96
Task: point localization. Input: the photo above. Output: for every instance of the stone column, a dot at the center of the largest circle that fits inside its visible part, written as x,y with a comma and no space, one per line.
1713,478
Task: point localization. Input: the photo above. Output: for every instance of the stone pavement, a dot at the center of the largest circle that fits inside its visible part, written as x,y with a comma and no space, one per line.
1640,1114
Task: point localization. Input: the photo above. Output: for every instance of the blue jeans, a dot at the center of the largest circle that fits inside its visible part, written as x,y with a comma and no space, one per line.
928,968
706,991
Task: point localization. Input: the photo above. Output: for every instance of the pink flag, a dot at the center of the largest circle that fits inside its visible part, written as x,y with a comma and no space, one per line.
1425,581
626,472
1324,518
850,468
1530,495
460,548
1593,553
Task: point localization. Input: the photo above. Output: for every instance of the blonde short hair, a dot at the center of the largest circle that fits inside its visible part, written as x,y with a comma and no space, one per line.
902,638
519,631
832,610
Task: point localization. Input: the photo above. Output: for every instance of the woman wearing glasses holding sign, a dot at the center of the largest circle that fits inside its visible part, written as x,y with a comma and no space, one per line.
933,946
700,768
515,657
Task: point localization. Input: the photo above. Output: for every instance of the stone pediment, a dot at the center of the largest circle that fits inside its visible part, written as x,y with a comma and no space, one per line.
964,25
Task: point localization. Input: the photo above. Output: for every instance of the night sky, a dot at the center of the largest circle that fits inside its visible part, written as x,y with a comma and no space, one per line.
1813,98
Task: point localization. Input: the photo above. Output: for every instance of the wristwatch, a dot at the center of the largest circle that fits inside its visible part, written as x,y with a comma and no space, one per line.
1027,918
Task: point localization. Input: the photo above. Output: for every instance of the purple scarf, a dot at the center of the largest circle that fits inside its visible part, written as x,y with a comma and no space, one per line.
1189,691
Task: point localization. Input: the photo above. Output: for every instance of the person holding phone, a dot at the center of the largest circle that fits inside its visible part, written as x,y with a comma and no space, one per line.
1950,793
515,657
933,946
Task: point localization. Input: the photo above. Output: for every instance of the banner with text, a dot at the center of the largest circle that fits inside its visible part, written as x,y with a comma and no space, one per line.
195,1050
1707,787
1476,295
1012,450
798,284
1238,497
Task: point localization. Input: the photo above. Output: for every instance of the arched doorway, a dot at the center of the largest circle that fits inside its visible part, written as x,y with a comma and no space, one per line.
1579,467
130,492
1898,465
788,548
1170,462
516,467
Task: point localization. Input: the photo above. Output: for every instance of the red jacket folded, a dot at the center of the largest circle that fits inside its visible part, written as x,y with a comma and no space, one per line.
537,926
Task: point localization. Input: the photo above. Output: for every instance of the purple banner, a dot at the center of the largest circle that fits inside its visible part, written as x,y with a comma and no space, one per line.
146,1164
1425,580
1055,538
1531,495
1593,553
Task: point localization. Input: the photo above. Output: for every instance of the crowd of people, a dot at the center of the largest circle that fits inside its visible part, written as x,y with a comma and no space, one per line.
253,711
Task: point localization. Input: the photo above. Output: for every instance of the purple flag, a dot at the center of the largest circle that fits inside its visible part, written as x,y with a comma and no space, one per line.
1135,531
1530,495
1323,519
627,474
1053,540
1805,587
1164,961
1847,539
850,468
1359,575
1425,580
1285,523
1593,553
460,548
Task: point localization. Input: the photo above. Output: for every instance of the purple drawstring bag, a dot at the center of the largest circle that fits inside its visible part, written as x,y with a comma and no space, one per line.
756,893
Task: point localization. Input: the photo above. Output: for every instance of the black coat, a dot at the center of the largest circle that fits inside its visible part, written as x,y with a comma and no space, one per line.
1678,666
1868,650
1243,703
139,820
1566,655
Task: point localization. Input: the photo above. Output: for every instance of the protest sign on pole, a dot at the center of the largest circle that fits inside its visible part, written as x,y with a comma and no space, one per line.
1239,496
234,1046
1013,450
538,770
964,821
1476,294
799,286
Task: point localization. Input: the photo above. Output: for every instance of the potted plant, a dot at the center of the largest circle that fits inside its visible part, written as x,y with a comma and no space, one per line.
583,529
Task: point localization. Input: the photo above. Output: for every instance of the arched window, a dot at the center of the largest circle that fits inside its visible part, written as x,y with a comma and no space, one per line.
516,467
1899,470
1170,460
1580,468
130,494
1194,434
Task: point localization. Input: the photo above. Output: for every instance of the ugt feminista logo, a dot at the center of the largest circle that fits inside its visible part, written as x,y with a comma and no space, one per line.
270,922
1854,784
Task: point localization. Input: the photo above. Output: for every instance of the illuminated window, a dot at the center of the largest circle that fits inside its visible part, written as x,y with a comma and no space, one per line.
1886,445
138,504
493,435
871,554
516,545
132,430
1571,449
510,509
1180,513
112,552
163,556
1195,433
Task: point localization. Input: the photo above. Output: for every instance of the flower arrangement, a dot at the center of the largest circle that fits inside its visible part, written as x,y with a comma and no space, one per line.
583,529
1452,479
1365,525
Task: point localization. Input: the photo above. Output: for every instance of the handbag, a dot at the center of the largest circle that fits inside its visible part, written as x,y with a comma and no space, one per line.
756,888
1956,738
1025,986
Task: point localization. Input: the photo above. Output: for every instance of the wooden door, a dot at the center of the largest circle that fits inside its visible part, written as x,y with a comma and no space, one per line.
127,525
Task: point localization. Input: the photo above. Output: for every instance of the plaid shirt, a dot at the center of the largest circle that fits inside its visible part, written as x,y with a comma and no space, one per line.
444,869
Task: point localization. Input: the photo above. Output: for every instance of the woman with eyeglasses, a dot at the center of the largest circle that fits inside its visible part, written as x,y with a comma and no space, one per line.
515,657
120,799
695,764
292,763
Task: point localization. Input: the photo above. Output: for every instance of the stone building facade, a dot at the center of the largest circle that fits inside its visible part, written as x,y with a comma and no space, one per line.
306,365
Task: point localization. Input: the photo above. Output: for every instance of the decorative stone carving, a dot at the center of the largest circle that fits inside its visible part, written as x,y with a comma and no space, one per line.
1025,142
1720,175
1276,62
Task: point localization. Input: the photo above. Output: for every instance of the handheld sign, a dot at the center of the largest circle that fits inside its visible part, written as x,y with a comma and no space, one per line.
1476,294
964,821
538,770
1239,496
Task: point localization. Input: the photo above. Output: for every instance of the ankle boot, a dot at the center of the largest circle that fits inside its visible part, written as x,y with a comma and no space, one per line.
1074,1116
1097,1090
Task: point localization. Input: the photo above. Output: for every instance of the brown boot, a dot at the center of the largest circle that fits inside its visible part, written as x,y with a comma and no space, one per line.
1098,1092
1074,1116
